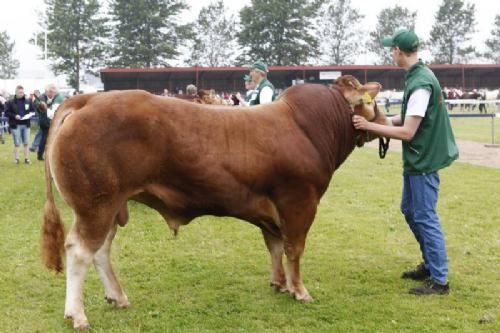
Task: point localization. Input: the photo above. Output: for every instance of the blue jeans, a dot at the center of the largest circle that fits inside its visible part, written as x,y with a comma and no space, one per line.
37,140
21,135
418,204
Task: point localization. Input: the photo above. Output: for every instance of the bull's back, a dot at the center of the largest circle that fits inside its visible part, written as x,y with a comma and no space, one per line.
119,143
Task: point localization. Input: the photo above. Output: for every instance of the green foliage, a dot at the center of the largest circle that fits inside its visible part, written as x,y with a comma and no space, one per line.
214,276
278,33
146,33
493,43
75,34
8,65
389,20
452,31
339,31
214,37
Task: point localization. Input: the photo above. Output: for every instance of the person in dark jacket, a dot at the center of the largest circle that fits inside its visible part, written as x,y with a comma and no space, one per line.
19,110
47,105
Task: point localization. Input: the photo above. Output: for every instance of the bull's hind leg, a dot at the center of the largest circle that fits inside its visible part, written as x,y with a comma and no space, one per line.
78,259
84,239
112,288
276,250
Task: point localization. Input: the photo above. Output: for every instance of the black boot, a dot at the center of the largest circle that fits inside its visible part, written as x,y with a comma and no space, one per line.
430,287
417,273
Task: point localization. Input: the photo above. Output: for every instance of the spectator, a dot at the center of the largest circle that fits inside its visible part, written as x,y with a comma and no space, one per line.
250,88
498,98
165,93
264,90
18,111
2,123
428,146
47,106
191,91
482,106
38,137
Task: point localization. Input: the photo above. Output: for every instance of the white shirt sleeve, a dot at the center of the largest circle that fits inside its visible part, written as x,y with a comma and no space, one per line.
266,95
418,102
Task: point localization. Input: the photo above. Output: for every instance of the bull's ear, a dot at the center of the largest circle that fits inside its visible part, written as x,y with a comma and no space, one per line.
348,81
372,88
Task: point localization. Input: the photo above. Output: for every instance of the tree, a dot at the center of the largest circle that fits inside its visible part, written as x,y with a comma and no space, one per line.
389,20
214,37
146,33
493,43
453,29
278,32
75,37
339,32
8,65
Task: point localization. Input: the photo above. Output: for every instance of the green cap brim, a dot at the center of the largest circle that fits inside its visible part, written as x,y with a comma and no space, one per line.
388,42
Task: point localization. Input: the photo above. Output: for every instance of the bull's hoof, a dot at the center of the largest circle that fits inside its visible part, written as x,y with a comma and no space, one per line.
123,303
306,298
279,287
78,324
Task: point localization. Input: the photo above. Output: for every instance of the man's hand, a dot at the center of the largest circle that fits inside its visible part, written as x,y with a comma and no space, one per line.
360,123
18,117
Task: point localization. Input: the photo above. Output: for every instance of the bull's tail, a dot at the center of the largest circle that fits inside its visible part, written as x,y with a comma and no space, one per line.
53,229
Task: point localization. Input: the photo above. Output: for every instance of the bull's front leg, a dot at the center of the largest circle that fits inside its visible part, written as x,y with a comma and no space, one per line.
297,216
276,250
294,250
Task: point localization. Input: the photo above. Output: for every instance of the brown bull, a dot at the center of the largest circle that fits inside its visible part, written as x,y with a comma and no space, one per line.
268,165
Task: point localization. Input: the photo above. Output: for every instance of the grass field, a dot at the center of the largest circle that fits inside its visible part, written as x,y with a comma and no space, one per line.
214,276
473,129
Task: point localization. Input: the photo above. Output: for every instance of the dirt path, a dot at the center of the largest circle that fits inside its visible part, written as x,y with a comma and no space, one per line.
470,152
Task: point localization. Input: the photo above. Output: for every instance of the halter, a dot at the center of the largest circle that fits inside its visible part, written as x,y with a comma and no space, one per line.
383,145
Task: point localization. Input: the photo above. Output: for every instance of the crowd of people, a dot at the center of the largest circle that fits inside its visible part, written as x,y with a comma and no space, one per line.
19,111
21,108
259,90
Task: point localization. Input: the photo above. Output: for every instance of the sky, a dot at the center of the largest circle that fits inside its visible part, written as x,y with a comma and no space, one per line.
32,67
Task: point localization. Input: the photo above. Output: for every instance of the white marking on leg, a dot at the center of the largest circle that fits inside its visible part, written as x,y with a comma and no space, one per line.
78,259
113,290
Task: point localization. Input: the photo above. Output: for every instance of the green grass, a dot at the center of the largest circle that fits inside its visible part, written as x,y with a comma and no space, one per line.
473,129
214,276
476,129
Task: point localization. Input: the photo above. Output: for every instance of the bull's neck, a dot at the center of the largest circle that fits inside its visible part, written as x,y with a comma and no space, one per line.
329,127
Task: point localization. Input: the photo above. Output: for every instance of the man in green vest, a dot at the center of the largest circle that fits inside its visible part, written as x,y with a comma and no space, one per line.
250,88
264,90
47,105
428,146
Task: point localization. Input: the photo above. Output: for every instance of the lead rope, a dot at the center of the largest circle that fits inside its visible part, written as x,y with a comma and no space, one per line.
383,147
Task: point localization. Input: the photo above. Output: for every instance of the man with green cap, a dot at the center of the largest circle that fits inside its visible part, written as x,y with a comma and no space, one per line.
428,146
250,88
264,90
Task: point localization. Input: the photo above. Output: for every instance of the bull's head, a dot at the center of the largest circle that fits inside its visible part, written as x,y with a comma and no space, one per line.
362,100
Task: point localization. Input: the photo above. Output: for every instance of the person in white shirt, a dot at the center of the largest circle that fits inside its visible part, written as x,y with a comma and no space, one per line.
264,90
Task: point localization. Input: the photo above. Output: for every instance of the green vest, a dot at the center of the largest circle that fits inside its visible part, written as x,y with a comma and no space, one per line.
255,97
44,120
249,95
433,147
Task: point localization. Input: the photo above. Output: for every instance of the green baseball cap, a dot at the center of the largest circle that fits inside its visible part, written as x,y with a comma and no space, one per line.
260,66
247,78
406,40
